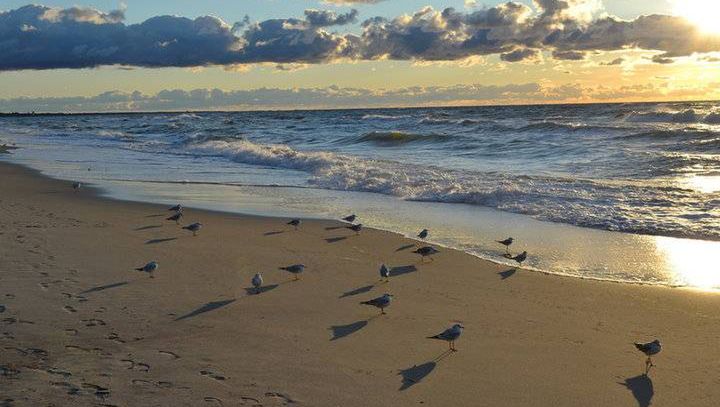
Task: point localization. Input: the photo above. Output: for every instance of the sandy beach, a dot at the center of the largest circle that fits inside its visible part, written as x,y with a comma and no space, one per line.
78,326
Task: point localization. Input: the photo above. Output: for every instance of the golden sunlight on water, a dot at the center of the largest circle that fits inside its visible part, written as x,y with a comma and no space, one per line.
707,184
694,261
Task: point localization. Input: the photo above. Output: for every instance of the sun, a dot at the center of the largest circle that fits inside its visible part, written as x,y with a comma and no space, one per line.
705,14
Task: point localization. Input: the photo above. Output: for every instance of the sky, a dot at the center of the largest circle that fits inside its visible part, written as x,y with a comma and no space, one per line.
104,55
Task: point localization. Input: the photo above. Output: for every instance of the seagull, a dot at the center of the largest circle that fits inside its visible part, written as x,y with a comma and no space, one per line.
76,186
356,228
149,268
257,282
649,349
507,242
384,272
381,302
176,208
426,251
423,234
195,227
450,335
176,217
295,223
295,269
520,258
350,218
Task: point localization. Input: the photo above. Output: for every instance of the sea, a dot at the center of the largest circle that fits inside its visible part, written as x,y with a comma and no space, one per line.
619,192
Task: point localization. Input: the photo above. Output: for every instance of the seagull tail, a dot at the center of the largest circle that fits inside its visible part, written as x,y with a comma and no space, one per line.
434,337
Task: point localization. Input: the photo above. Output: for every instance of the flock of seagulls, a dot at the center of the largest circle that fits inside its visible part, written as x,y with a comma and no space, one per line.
449,335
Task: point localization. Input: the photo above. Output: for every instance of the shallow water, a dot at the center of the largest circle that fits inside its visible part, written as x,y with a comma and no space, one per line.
562,180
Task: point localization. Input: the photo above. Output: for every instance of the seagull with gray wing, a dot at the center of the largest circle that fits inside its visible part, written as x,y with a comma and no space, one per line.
176,217
350,218
450,335
149,268
520,258
381,302
649,349
384,273
295,269
257,282
194,228
423,234
507,242
294,223
426,251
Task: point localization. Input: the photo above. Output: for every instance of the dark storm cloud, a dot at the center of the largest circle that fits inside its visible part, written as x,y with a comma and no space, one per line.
38,37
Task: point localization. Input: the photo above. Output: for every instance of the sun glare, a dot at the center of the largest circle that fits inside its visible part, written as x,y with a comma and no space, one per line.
705,14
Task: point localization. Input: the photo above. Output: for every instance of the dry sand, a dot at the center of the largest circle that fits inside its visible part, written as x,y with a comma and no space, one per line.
80,327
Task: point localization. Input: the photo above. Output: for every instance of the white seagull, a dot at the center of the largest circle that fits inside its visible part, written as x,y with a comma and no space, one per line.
257,282
149,268
76,186
450,335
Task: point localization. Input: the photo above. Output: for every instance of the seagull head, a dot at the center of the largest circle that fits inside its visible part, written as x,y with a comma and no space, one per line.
458,327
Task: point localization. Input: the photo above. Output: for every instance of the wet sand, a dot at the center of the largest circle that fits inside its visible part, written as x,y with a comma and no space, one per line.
80,327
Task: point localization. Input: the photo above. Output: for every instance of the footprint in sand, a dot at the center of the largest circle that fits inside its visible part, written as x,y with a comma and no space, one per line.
99,391
244,400
214,401
59,372
71,331
170,354
212,375
280,397
133,365
115,337
69,387
94,322
70,309
44,286
8,371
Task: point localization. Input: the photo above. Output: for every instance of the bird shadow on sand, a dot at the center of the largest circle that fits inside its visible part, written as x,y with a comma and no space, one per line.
360,290
334,227
507,273
157,215
641,387
104,287
147,227
415,374
407,246
210,306
400,270
341,331
336,239
274,232
261,290
156,241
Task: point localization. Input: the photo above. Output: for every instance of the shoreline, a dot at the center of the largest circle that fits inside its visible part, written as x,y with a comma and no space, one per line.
80,327
102,193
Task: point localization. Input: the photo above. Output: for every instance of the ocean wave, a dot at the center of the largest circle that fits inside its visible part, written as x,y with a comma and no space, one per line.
636,207
684,116
394,138
384,117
